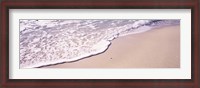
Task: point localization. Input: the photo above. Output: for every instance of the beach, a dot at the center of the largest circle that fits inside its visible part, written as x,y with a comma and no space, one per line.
157,48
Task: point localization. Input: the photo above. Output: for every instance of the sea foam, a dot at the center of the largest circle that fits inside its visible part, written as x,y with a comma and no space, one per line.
47,42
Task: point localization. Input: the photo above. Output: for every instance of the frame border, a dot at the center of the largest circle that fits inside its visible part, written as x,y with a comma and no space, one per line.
115,83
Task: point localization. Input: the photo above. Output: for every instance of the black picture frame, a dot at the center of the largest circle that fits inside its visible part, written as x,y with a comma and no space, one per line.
99,83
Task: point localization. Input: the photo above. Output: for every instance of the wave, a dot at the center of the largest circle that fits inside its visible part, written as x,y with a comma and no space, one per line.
46,42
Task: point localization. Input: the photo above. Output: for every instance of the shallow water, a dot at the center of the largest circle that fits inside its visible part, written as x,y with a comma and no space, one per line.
45,42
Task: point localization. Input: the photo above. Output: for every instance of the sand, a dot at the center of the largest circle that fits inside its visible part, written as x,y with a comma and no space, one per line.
158,48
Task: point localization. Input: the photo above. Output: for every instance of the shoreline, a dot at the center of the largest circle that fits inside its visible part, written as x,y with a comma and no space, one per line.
111,58
109,42
79,58
73,59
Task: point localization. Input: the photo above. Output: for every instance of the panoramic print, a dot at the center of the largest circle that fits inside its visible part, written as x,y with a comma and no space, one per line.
99,43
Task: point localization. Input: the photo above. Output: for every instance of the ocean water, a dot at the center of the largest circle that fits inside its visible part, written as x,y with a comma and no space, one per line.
47,42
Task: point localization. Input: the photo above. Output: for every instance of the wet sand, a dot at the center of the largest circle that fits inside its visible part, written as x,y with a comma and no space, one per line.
158,48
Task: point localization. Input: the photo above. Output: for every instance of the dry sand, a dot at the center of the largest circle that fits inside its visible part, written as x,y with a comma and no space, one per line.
158,48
